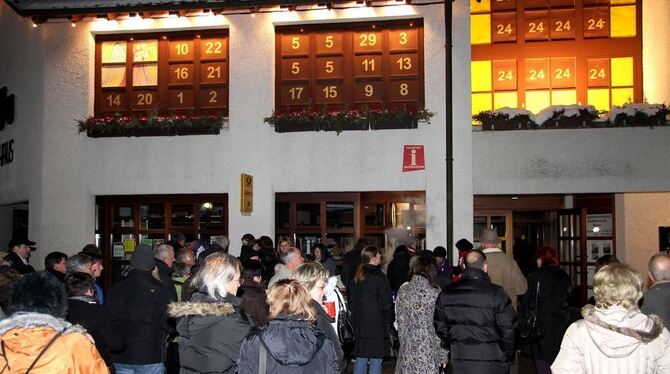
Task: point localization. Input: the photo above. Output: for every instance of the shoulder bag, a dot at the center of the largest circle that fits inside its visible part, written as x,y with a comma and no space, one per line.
531,330
345,330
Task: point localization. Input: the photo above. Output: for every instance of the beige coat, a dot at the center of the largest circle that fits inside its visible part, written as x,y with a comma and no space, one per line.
505,272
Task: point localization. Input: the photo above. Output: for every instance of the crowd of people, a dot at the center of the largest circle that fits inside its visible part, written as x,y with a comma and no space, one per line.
195,308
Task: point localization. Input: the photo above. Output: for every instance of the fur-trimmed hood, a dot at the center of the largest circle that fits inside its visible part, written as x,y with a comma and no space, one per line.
183,309
29,320
618,332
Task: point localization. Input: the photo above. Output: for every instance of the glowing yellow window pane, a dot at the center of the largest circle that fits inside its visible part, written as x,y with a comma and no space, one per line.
505,99
113,76
622,71
564,97
621,96
113,52
480,29
537,100
481,76
622,21
599,98
481,6
622,1
481,102
145,50
145,75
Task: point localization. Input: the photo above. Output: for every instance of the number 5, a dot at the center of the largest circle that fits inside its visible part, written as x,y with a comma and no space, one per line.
295,42
329,41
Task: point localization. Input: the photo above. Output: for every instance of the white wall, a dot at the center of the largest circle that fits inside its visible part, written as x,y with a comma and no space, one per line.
641,215
74,168
571,161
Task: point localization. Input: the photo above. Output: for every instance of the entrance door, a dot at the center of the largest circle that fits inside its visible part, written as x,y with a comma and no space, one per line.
500,220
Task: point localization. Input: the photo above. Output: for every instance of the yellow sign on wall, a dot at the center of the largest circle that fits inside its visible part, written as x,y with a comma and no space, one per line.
246,193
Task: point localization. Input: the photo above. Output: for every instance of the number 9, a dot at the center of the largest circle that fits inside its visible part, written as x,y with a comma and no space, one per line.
369,90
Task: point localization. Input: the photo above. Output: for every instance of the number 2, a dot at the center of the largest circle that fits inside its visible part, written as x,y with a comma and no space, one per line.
213,97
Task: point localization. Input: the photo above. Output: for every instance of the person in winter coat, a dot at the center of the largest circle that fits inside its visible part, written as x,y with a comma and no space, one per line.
351,260
289,343
371,312
657,299
138,307
420,350
503,270
212,326
614,336
84,310
549,286
38,306
313,276
323,257
474,318
398,269
254,299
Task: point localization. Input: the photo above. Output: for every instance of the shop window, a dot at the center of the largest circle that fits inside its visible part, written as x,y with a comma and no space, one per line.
337,66
537,53
166,73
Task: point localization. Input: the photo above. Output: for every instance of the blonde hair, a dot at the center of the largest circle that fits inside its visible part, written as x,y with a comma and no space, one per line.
215,275
617,284
309,273
290,298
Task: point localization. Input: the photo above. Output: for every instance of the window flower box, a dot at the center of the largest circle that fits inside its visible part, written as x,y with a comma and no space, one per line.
506,119
639,115
348,120
123,126
567,116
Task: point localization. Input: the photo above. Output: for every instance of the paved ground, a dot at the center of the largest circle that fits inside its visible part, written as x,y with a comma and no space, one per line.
525,366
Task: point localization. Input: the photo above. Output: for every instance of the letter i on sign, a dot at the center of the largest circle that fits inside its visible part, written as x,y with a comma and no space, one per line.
413,158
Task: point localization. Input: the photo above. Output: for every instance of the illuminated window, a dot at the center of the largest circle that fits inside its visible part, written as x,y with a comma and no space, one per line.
538,53
165,73
353,65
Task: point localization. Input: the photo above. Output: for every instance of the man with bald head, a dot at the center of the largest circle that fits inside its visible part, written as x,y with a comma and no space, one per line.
475,319
657,298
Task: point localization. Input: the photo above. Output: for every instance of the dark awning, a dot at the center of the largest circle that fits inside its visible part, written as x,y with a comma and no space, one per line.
63,8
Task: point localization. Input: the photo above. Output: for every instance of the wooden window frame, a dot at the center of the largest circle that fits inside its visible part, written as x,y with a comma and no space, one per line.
348,80
163,86
580,48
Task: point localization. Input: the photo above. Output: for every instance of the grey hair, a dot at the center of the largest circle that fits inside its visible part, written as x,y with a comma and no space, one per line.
223,241
288,256
309,273
161,252
659,267
79,263
215,275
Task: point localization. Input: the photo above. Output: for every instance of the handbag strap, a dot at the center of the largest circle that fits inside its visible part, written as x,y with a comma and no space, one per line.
339,300
262,358
537,291
53,339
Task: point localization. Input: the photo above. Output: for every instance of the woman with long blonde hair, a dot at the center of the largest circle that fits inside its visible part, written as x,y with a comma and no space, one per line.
289,343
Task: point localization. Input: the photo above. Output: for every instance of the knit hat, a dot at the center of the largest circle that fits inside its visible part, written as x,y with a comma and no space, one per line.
440,251
143,258
464,245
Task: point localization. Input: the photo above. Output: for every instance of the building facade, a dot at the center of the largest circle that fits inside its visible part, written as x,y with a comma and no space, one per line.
314,185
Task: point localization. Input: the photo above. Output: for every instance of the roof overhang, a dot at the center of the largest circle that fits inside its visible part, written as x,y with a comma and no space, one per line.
44,9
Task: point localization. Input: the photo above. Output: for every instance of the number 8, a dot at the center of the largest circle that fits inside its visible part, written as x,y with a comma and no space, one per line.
404,89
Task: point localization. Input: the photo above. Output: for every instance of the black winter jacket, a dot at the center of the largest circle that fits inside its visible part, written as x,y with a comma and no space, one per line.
138,308
210,333
398,272
371,313
552,305
294,346
165,274
17,263
323,321
475,319
96,320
